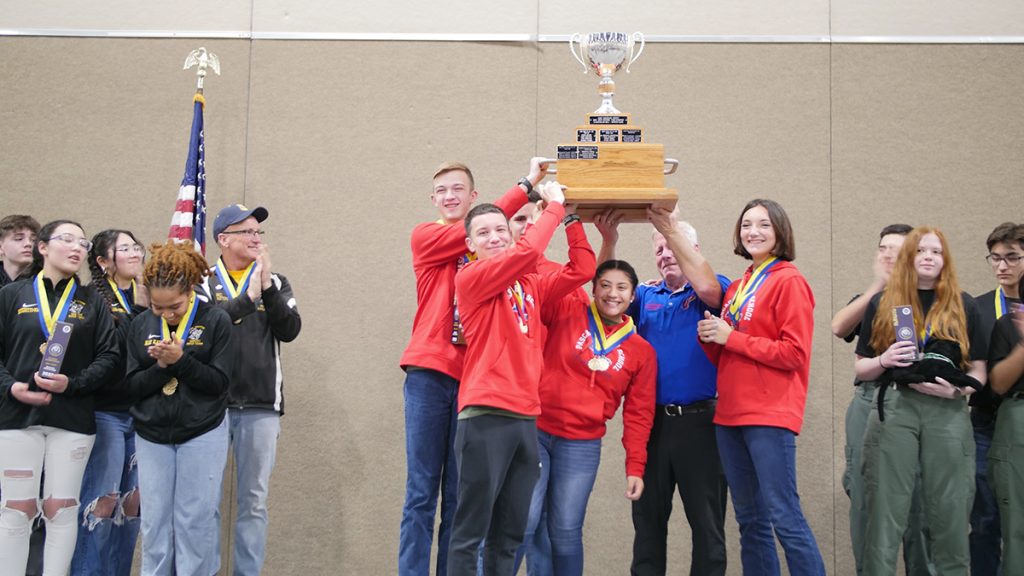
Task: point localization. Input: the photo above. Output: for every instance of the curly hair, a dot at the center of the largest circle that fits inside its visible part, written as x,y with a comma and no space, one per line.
175,265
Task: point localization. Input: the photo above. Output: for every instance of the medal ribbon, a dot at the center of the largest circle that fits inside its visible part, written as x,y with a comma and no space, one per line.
515,292
457,337
1000,302
601,344
47,319
924,334
229,284
184,326
747,288
122,298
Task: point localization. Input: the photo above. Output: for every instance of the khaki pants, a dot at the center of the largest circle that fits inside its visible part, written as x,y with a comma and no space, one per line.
932,437
1006,476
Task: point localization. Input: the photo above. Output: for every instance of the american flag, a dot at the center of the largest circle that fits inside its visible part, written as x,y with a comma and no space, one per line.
189,220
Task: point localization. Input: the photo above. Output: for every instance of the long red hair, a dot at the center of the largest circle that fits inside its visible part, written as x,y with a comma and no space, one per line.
946,318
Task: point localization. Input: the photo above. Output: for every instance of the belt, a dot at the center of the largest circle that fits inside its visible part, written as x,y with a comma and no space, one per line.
1015,395
683,409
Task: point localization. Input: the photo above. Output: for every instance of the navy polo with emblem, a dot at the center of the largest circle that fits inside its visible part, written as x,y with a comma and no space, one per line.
668,320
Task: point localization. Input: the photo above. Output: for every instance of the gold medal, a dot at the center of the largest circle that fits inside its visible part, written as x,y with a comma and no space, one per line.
42,347
171,387
599,363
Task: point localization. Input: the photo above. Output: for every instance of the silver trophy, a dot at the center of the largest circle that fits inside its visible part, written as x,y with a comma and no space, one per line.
606,52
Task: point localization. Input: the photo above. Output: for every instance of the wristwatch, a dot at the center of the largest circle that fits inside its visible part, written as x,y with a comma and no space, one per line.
531,194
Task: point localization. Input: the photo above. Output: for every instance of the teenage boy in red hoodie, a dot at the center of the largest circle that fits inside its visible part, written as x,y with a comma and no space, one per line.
433,362
500,296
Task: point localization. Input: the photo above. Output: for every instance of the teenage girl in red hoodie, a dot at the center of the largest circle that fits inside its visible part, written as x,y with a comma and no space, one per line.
585,379
762,347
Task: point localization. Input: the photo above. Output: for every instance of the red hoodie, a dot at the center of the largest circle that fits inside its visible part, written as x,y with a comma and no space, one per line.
503,363
437,252
763,368
576,402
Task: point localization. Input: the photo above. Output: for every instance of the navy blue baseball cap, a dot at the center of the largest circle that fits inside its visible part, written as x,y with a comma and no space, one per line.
234,214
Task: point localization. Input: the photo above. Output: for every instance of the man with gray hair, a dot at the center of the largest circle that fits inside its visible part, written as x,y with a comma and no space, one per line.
682,451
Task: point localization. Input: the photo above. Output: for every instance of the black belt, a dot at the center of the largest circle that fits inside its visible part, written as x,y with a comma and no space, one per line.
1015,395
682,409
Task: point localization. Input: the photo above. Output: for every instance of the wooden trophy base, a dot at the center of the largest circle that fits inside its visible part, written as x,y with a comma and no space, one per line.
610,166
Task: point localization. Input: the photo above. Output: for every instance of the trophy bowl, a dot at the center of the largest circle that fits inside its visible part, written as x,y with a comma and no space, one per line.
606,53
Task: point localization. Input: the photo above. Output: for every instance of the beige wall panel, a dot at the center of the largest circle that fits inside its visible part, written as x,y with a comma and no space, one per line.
98,130
927,18
343,141
745,121
690,17
922,135
395,16
190,15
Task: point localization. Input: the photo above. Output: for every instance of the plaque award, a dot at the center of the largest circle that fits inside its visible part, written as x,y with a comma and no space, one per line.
903,323
611,163
55,349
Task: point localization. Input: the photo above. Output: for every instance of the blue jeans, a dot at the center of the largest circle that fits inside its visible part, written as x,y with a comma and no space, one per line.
252,434
106,545
568,469
431,411
986,536
180,488
760,467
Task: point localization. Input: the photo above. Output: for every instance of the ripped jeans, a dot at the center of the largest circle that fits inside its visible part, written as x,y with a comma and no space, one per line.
106,543
24,454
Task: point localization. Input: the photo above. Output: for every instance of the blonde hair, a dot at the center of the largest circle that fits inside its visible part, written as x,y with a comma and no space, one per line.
452,167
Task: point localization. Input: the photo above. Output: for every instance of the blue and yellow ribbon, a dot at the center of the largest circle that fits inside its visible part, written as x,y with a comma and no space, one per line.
229,283
603,344
48,319
748,287
183,327
1000,302
122,298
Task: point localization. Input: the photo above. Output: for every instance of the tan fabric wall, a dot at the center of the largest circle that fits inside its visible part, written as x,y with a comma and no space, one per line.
237,18
338,140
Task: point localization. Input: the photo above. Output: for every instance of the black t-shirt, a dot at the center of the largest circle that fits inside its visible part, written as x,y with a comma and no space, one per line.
1004,338
985,398
978,340
856,329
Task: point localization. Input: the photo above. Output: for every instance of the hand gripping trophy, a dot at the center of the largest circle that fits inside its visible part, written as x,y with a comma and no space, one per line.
611,165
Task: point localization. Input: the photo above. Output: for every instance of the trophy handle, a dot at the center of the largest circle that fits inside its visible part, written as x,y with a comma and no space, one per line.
550,162
673,165
576,38
632,58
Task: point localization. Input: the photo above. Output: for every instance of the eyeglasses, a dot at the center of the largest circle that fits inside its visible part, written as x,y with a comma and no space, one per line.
134,249
1011,259
250,233
70,239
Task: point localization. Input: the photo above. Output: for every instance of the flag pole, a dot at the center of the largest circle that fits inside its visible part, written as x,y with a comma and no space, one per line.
189,220
204,60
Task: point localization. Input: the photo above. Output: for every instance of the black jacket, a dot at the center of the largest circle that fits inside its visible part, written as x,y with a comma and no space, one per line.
199,403
258,330
91,360
115,396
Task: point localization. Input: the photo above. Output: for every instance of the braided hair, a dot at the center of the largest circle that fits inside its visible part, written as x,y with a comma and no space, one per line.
103,244
175,265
